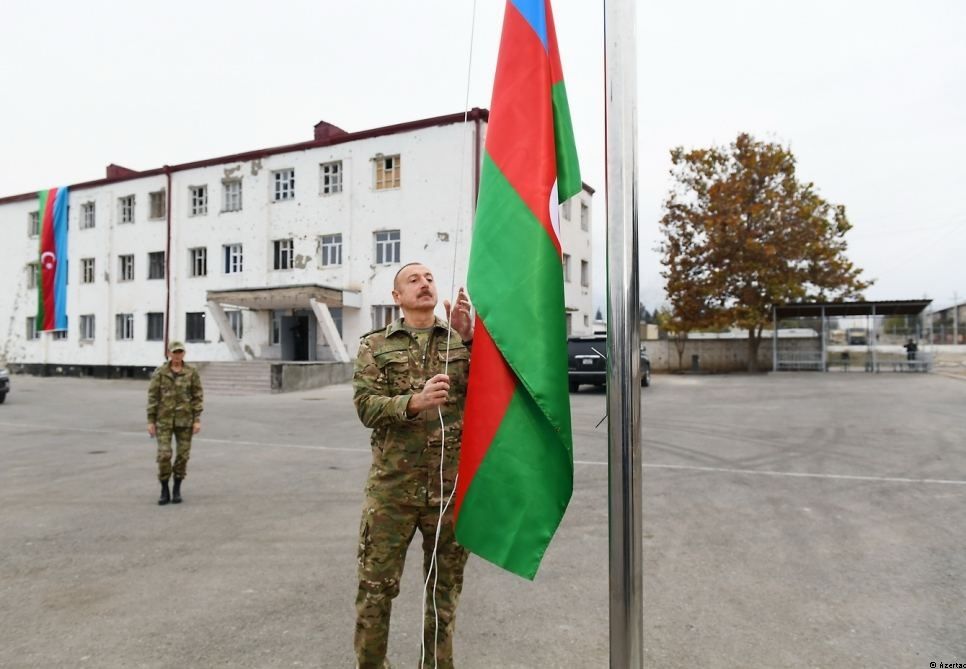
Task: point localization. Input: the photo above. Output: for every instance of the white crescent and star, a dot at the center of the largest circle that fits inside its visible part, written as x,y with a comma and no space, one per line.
48,264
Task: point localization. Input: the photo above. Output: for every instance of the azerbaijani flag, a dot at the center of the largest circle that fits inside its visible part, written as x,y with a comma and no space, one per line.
516,466
52,286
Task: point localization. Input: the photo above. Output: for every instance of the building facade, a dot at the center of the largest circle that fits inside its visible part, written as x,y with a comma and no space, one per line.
285,253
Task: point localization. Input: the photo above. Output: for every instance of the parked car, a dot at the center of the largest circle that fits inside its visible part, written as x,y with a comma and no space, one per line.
4,384
587,363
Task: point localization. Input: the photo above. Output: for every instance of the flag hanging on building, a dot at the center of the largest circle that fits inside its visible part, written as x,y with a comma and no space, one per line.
516,466
52,279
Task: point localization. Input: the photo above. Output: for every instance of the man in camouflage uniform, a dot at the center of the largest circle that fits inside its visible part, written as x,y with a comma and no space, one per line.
400,386
175,403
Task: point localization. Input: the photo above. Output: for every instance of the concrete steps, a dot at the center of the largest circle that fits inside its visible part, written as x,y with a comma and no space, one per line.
249,377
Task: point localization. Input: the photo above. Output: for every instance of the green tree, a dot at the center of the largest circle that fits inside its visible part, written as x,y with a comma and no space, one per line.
742,234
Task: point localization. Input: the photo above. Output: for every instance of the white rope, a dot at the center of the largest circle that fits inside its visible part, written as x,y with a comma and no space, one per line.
433,570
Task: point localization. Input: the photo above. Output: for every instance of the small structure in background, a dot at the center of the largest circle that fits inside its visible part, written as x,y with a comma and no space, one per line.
869,336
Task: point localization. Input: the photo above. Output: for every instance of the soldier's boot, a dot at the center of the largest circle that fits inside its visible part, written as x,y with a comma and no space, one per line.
165,493
176,493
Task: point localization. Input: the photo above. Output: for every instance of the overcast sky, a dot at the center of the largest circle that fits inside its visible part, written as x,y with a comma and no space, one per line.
870,95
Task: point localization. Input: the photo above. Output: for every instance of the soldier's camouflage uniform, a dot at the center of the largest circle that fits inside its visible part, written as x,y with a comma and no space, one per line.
403,489
175,403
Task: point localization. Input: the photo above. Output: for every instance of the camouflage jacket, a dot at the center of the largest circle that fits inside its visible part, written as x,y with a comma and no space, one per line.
175,400
389,370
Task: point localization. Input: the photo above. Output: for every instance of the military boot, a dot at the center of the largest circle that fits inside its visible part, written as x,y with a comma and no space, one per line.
165,493
176,493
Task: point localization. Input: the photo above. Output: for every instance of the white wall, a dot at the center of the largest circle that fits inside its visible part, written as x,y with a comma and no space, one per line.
432,209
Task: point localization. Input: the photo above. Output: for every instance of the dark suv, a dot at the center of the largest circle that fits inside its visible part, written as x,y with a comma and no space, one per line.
4,384
586,362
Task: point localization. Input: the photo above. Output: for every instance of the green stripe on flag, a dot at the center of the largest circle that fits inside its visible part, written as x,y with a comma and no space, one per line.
42,202
568,170
516,282
519,493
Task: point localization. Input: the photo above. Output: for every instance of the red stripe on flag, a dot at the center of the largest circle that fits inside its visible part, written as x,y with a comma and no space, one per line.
48,263
491,387
556,71
520,137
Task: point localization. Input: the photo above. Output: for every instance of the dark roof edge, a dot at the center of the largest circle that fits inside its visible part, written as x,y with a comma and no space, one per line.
474,114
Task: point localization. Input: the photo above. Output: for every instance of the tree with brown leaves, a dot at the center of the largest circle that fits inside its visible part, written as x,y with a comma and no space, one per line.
742,234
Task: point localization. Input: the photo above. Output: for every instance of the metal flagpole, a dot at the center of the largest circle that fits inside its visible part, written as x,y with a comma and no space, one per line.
623,339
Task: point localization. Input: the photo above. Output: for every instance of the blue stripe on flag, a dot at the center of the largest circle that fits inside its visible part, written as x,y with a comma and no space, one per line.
60,248
534,11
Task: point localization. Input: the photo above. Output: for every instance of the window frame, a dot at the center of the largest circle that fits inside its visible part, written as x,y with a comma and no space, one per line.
283,184
330,177
228,196
330,247
122,274
283,254
234,258
87,330
198,200
380,179
192,319
33,224
88,217
156,271
88,270
124,327
126,209
157,205
158,327
196,254
394,246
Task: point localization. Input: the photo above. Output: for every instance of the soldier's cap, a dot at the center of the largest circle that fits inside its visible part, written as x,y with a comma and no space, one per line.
176,346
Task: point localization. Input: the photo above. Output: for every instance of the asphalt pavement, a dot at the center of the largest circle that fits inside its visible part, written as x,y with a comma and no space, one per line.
791,520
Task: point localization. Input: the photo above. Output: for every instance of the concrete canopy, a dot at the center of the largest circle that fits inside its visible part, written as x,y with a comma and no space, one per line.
281,297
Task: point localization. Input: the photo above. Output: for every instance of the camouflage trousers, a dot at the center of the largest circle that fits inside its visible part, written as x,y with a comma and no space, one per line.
183,437
386,532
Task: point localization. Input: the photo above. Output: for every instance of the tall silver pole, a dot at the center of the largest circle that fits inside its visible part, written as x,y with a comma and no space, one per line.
623,340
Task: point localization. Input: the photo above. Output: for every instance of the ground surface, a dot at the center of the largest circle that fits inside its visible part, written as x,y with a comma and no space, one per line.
792,520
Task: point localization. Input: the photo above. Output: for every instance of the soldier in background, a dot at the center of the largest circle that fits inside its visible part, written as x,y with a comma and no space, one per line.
399,387
175,403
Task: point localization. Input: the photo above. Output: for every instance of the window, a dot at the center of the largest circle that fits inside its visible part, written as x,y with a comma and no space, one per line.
33,275
32,328
570,324
126,205
584,216
124,326
584,273
33,224
195,326
158,204
275,336
232,191
233,258
387,246
332,249
125,268
155,326
331,176
283,182
87,327
156,265
59,335
87,272
235,321
283,253
387,172
586,321
384,314
198,265
566,267
565,209
87,215
199,200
